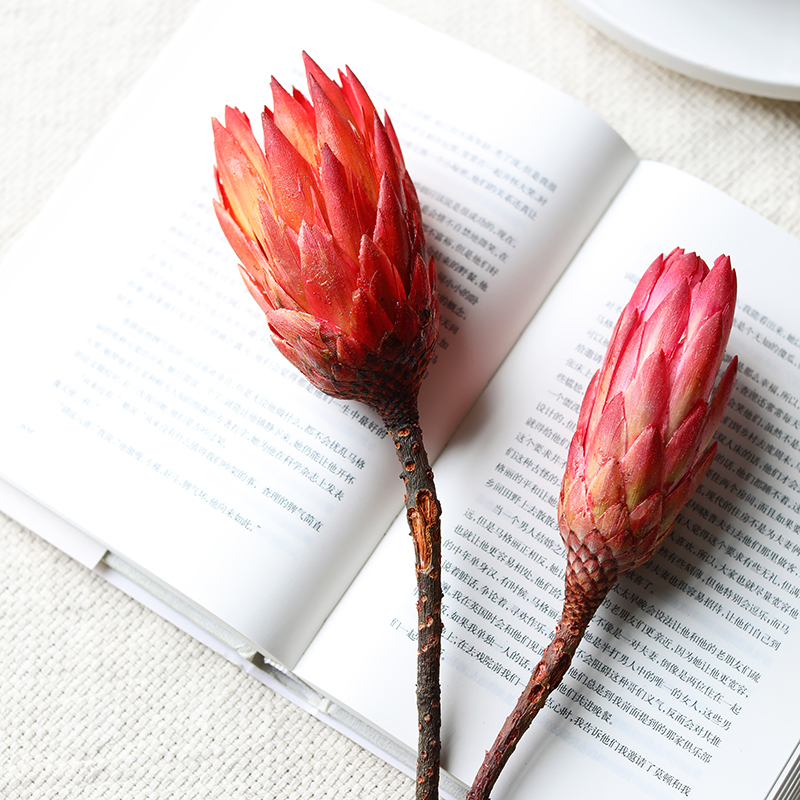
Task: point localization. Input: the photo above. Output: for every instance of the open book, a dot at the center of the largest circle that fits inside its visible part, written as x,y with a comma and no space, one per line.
153,420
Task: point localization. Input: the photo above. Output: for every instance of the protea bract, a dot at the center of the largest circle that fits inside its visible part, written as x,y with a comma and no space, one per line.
641,447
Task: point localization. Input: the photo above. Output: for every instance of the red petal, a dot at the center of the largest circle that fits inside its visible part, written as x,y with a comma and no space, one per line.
626,363
643,467
368,321
696,371
294,184
666,326
679,267
587,407
574,469
719,402
332,91
677,497
407,326
343,218
641,294
335,130
350,355
379,277
358,101
422,291
329,276
391,232
717,293
294,117
684,445
385,158
647,396
390,132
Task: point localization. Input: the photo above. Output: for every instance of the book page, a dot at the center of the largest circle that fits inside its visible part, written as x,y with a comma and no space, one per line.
149,407
690,661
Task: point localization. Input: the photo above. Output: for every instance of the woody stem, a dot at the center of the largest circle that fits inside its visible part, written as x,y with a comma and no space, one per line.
422,512
546,676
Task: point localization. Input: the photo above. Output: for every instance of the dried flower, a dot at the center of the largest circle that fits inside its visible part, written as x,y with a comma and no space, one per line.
327,225
641,447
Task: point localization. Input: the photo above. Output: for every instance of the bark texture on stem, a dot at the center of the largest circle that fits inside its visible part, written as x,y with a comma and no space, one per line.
579,608
423,512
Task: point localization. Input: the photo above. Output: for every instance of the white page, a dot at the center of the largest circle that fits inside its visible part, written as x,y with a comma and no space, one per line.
689,664
149,408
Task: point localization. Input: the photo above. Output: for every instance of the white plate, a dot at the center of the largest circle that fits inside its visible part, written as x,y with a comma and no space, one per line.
749,46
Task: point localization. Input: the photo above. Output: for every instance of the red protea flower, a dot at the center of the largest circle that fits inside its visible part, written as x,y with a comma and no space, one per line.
327,225
641,447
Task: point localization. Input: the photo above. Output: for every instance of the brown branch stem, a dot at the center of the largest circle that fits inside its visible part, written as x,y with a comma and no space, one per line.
423,512
548,673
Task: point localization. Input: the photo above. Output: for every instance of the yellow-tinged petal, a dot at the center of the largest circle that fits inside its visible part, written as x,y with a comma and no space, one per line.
248,251
242,188
646,516
238,125
607,439
605,488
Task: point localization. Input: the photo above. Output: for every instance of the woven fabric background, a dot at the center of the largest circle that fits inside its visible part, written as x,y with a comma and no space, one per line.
101,698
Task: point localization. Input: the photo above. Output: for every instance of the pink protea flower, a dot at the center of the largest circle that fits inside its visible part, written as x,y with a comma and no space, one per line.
327,225
328,228
643,440
641,447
